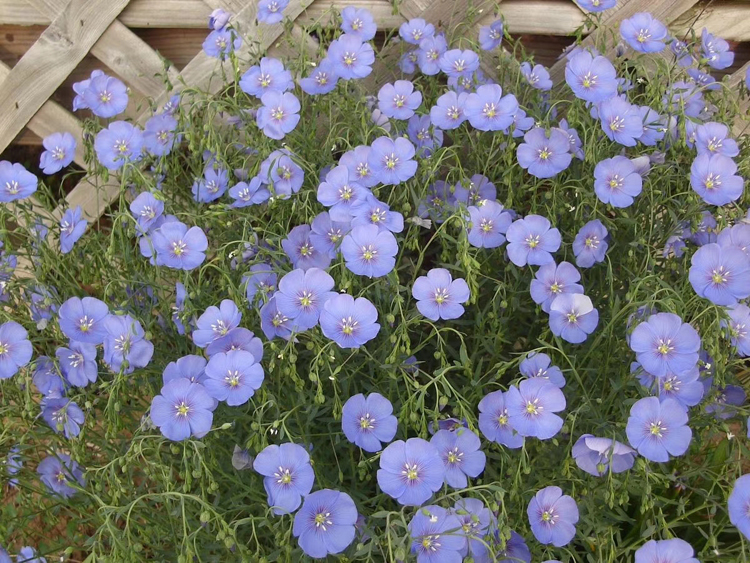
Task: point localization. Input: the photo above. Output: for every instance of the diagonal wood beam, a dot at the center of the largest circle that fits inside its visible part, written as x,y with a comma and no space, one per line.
742,121
664,10
122,51
50,60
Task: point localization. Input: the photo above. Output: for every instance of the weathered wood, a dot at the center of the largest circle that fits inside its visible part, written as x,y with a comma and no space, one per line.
664,10
730,21
742,121
382,12
543,17
122,51
49,61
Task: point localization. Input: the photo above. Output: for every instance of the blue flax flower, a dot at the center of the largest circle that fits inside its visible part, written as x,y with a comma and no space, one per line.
271,11
515,550
429,53
531,407
437,536
399,100
261,278
449,110
537,77
415,30
598,456
462,458
597,5
739,328
125,342
720,274
15,349
552,280
182,409
270,75
118,144
78,363
592,78
425,137
739,505
340,193
159,134
359,22
288,475
351,57
28,554
370,252
644,33
82,319
321,80
212,186
216,322
489,223
274,323
326,234
532,240
370,211
106,96
218,19
411,471
233,377
13,464
285,174
713,138
488,110
279,114
301,251
573,317
665,551
713,177
538,365
617,182
325,523
179,247
542,155
62,415
58,472
620,121
495,423
221,42
591,244
439,296
246,194
358,163
302,295
146,209
553,516
457,63
60,150
349,322
16,182
190,367
238,339
391,161
368,420
657,429
490,36
47,378
664,344
475,520
72,227
716,51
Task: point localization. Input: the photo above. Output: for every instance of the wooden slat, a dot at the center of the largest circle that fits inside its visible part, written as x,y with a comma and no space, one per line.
552,17
730,21
664,10
121,50
53,118
49,61
382,12
742,122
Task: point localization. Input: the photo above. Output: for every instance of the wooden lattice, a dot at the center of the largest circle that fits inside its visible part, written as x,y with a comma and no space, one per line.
103,29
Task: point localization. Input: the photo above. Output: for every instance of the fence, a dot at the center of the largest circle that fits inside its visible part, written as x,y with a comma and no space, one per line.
104,29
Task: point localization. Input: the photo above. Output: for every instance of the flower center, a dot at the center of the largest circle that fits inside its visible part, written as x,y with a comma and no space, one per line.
278,320
555,288
592,242
348,325
284,172
719,275
277,113
672,384
122,343
212,186
60,477
485,225
714,144
713,181
220,327
489,110
105,96
544,153
357,24
665,347
572,317
182,409
377,215
306,299
411,471
350,58
58,153
283,476
12,187
363,170
321,78
399,100
459,65
616,123
346,193
121,146
179,248
502,420
656,429
4,348
532,241
643,35
221,43
533,407
549,516
391,161
322,519
589,80
455,456
416,34
366,422
76,359
430,543
454,112
369,252
306,249
615,182
233,378
264,80
85,323
441,295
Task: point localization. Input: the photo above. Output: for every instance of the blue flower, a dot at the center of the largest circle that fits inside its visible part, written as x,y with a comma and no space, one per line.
429,53
475,520
212,186
597,5
270,75
368,420
538,365
553,517
457,63
477,190
233,377
146,209
488,110
159,134
288,476
370,252
591,244
439,296
13,464
351,57
620,121
125,342
411,471
664,344
182,409
322,79
658,429
300,250
216,322
515,550
537,77
665,551
545,156
436,536
462,458
118,144
449,110
58,472
489,223
399,100
279,114
576,146
494,422
592,78
271,11
713,177
60,152
245,194
370,211
415,30
391,161
531,407
531,240
340,193
713,138
359,22
490,36
644,33
617,182
47,379
221,42
82,319
739,328
357,161
72,227
238,339
325,523
179,247
62,415
552,280
218,19
285,174
425,137
28,554
302,296
189,367
738,505
598,456
716,51
260,278
349,322
573,317
15,349
78,363
720,274
106,96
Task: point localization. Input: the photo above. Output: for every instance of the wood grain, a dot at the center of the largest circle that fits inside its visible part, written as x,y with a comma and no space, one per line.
49,61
